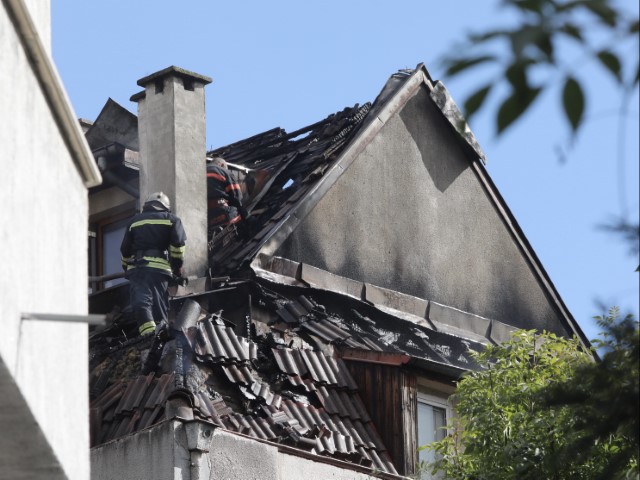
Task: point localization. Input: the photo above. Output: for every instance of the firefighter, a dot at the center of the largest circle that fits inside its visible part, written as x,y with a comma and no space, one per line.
152,252
224,196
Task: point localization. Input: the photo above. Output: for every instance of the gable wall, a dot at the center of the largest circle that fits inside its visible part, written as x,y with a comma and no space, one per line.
44,240
410,214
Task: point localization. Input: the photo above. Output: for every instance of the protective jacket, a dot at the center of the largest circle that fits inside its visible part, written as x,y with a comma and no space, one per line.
154,240
224,197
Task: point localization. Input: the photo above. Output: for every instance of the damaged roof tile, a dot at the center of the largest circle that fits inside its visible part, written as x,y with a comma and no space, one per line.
282,384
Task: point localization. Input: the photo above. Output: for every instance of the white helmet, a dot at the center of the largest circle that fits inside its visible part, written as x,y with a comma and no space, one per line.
158,201
218,160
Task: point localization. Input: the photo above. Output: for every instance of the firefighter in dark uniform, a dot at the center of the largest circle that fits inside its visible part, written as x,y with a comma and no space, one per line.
152,252
224,196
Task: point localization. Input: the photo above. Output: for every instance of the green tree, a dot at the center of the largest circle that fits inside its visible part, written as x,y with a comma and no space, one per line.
604,398
509,425
525,57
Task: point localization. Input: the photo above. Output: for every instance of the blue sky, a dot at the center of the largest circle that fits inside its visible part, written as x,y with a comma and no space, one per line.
291,63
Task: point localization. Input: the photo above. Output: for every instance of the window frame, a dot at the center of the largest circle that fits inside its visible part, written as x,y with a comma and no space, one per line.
438,398
98,230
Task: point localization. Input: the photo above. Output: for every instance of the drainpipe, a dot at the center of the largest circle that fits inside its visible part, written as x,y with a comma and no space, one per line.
199,438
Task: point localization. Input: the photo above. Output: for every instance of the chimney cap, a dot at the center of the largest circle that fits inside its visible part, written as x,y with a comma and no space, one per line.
178,72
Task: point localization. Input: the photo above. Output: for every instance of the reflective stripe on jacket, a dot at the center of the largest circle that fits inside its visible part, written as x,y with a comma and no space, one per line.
154,239
220,185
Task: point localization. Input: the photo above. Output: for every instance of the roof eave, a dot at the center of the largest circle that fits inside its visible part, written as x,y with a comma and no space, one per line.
53,91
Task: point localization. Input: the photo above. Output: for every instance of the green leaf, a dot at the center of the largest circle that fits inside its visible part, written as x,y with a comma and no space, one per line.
567,6
534,6
475,101
612,63
516,74
634,27
545,45
603,11
572,30
490,35
514,106
573,102
457,66
524,36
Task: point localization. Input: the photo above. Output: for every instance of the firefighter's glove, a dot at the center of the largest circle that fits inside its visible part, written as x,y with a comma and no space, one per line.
178,272
162,331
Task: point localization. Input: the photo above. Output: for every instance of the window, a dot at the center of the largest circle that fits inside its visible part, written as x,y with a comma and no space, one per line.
111,259
105,238
433,412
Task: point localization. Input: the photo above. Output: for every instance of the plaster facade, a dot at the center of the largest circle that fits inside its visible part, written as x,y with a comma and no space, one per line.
410,214
44,235
176,450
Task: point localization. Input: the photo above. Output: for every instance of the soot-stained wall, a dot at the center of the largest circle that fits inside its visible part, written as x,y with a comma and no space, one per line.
410,214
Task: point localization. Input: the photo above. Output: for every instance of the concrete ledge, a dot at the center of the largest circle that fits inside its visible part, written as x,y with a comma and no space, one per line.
282,266
500,332
396,300
319,278
179,450
463,321
426,313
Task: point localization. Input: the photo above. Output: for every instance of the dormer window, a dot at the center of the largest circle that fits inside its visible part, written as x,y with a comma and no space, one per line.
433,412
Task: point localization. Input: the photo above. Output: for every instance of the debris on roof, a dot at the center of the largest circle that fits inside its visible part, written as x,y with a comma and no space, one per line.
263,353
282,170
265,360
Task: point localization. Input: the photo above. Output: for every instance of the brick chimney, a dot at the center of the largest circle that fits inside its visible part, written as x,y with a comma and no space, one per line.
171,130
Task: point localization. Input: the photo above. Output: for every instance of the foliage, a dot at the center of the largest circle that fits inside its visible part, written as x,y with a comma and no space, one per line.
605,399
596,27
506,425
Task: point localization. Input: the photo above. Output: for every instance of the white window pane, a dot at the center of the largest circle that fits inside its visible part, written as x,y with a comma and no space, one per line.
111,258
431,420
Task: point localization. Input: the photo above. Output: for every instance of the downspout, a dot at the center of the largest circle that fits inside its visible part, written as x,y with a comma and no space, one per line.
199,438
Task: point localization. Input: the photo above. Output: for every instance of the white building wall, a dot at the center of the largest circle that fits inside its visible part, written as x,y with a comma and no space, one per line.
197,451
43,234
40,11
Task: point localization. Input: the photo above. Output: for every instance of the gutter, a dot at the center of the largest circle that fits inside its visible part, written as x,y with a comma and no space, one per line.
53,91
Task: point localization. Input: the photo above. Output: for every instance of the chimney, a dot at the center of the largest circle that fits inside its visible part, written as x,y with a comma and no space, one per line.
171,130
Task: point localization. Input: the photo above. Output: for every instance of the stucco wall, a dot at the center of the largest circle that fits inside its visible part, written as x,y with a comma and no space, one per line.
410,214
43,234
172,451
158,453
171,127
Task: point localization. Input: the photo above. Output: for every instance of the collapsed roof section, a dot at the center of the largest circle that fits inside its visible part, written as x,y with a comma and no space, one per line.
268,358
282,169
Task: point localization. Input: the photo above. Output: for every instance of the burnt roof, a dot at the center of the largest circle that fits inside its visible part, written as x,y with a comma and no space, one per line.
284,168
269,359
266,360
